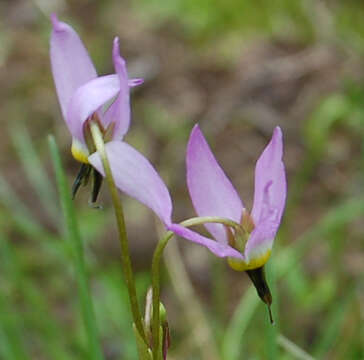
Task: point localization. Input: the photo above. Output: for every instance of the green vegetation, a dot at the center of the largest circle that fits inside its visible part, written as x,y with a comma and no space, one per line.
317,267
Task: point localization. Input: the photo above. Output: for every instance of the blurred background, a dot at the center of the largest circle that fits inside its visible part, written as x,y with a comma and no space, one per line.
239,68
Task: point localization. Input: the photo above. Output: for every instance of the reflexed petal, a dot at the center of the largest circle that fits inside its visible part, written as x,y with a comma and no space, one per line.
71,64
261,239
270,169
211,191
119,111
216,248
80,151
88,99
260,242
269,199
134,175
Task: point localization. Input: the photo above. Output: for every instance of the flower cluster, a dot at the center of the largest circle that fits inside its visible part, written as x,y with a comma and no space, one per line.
245,238
82,95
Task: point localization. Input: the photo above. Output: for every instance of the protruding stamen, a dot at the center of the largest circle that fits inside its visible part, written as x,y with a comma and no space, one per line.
230,236
257,276
270,314
81,178
94,118
96,185
247,222
109,132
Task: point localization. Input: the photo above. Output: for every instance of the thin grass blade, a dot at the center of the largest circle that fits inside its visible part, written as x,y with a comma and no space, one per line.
12,328
34,170
233,339
12,269
73,234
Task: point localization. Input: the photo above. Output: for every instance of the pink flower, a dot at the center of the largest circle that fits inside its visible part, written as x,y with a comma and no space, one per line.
82,94
212,195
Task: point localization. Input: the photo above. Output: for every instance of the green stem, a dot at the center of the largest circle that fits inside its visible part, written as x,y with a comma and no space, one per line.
155,284
210,219
125,254
88,314
156,276
293,349
200,330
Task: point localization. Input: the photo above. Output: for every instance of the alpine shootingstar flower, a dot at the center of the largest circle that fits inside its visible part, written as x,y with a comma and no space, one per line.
83,96
213,194
248,245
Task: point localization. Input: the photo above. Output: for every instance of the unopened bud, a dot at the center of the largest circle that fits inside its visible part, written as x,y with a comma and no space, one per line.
163,323
166,340
148,314
162,314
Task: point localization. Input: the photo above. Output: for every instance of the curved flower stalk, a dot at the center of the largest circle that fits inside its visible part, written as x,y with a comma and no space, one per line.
248,243
83,96
135,175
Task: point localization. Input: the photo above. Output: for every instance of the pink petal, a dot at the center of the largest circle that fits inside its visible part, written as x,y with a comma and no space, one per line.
88,99
270,169
269,197
260,240
219,249
211,191
71,64
262,237
119,111
134,175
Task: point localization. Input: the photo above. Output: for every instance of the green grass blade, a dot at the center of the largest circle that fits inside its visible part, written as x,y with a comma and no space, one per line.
340,215
291,348
5,349
232,343
18,211
12,330
34,170
87,309
12,270
332,327
20,217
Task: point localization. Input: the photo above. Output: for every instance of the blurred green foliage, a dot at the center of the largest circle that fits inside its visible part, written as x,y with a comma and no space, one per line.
217,18
317,268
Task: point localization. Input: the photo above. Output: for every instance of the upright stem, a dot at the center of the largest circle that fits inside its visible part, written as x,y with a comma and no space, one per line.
200,331
125,255
95,350
155,284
